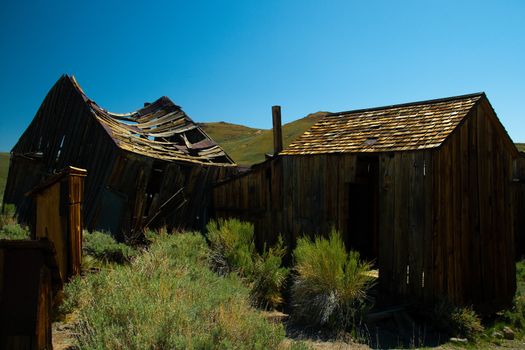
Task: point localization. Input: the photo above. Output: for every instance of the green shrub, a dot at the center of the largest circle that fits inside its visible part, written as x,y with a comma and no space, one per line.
168,298
103,247
233,250
330,286
232,246
72,294
515,316
9,227
8,215
14,231
268,277
457,321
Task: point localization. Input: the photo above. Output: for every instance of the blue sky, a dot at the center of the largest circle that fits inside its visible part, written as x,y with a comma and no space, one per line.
232,60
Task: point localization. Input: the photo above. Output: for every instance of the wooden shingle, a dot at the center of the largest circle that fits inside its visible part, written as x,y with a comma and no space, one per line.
412,126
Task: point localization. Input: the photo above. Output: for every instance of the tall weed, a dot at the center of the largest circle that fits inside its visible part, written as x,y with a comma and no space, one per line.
331,284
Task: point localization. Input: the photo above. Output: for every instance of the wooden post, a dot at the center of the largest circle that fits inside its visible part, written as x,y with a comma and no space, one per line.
277,131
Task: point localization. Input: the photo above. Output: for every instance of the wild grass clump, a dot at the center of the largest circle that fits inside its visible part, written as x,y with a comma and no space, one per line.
168,298
9,226
233,250
331,284
515,316
103,247
457,321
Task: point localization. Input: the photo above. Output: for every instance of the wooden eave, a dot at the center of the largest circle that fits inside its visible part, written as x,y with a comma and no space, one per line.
70,170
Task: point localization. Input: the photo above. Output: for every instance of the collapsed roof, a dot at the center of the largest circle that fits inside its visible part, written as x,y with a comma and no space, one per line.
160,130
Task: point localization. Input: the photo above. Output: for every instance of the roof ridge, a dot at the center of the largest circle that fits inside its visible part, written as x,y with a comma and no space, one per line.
407,104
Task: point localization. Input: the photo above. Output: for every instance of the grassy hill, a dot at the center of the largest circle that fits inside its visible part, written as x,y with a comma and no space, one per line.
521,147
4,168
248,146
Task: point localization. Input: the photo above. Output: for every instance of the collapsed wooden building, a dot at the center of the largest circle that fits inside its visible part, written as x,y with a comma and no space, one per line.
424,189
149,168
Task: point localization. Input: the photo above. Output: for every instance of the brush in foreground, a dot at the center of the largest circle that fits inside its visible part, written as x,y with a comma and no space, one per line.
168,298
331,284
233,250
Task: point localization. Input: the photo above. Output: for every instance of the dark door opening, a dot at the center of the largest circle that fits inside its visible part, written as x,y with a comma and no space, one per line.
363,208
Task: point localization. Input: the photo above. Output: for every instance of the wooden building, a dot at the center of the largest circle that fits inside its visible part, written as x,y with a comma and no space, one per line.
152,167
519,205
29,282
58,203
424,189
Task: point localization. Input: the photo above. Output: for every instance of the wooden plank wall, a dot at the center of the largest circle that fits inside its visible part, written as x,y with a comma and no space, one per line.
29,282
405,225
50,224
291,196
75,193
181,202
473,238
62,133
59,219
519,205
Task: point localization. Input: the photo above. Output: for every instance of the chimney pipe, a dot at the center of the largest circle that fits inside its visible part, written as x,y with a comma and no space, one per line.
277,131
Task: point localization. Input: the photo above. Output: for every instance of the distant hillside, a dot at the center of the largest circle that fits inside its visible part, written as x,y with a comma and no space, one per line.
248,146
520,146
4,168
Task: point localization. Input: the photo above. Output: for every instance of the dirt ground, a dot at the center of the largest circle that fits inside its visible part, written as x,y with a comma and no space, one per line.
64,339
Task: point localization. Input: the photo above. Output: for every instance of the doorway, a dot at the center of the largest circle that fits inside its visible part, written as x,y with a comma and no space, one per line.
363,208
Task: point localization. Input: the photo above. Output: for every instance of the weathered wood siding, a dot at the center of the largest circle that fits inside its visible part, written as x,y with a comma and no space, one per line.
59,218
29,282
445,216
519,205
291,196
405,224
63,133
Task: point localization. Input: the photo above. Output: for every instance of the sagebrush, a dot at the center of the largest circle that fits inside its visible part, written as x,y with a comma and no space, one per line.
103,247
233,250
457,321
330,284
168,298
9,226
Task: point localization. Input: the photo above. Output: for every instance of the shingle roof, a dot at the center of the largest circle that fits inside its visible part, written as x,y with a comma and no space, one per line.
410,126
160,130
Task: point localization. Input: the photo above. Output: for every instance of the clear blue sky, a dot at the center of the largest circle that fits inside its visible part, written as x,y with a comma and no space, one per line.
232,60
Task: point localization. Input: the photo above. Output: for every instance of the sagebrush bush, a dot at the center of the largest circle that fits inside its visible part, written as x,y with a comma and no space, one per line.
103,247
14,231
268,277
331,284
8,215
232,246
168,298
515,316
457,321
233,250
9,226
